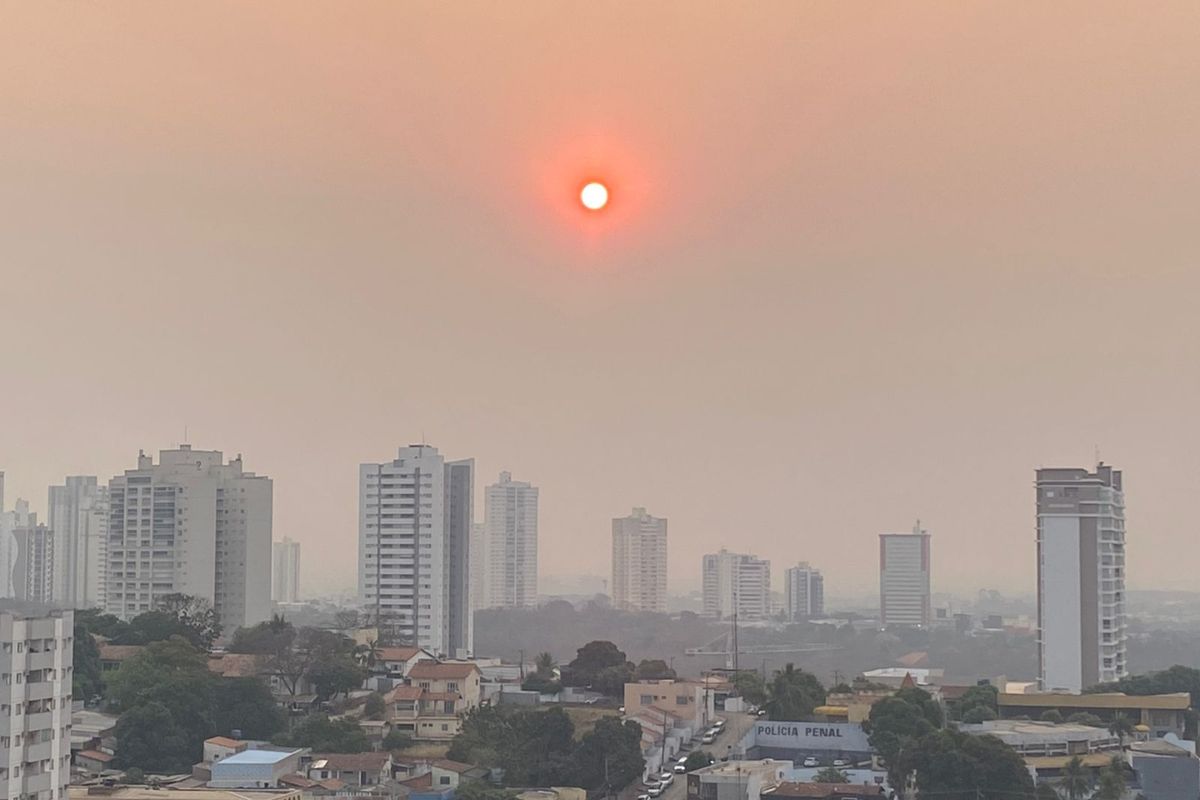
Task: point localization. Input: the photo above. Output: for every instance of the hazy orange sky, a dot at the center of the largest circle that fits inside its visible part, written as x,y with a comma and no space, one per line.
864,263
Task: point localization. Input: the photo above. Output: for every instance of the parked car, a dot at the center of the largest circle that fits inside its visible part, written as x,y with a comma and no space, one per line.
812,761
841,762
719,724
643,797
654,791
709,738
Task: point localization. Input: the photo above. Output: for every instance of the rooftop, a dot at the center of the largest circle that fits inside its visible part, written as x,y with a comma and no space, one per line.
225,741
257,757
821,790
172,793
441,670
1176,701
351,762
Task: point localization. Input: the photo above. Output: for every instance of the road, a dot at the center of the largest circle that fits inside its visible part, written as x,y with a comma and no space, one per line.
736,725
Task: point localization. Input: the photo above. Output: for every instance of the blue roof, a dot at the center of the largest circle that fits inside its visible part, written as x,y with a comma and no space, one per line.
257,757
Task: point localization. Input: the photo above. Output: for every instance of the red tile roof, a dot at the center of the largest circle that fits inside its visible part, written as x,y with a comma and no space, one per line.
225,741
441,670
95,755
119,652
397,653
420,782
353,762
453,766
237,665
405,693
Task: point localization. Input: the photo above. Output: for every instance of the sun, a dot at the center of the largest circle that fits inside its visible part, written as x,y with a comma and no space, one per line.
594,196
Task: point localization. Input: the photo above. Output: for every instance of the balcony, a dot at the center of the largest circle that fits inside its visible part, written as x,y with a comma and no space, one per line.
39,721
43,660
42,690
38,752
37,783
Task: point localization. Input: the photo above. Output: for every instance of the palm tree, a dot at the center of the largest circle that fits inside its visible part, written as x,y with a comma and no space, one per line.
367,655
1074,780
1112,781
1121,727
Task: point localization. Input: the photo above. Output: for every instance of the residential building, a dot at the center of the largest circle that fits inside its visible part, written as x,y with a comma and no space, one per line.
1081,577
804,592
255,768
33,573
736,583
396,662
511,516
353,769
285,571
432,704
83,792
17,517
736,780
1165,770
190,524
800,790
77,513
414,531
904,570
690,701
479,567
639,562
35,697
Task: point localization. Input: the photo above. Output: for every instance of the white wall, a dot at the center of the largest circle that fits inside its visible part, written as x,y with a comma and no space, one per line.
1062,640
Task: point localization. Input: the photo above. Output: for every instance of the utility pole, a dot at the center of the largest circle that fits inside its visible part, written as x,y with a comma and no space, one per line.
735,633
522,653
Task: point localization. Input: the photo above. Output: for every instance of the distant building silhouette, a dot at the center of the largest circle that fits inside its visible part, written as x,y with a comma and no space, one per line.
904,578
639,562
804,592
511,520
285,571
736,581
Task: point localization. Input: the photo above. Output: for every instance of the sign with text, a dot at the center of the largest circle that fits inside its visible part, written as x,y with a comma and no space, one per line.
845,736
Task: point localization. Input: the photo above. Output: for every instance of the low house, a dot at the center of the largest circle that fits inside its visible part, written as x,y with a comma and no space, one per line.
254,769
789,790
112,656
736,780
397,661
689,701
219,747
353,769
93,761
431,705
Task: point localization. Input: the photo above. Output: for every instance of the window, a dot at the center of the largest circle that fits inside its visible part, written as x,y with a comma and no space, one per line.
647,699
444,780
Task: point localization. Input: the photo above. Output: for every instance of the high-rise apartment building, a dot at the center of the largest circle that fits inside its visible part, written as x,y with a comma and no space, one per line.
1081,577
191,524
285,571
478,567
10,521
639,562
511,517
414,537
33,572
904,570
805,592
736,582
35,747
78,517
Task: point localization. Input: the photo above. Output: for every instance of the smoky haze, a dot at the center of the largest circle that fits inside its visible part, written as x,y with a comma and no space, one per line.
864,264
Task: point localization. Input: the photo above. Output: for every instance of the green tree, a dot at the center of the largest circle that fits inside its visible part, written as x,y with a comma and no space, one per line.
1120,727
751,687
794,694
533,746
984,696
98,623
830,775
897,721
698,759
602,666
1084,718
1074,782
324,735
196,614
246,705
1111,785
653,670
1052,715
397,740
479,790
956,766
978,714
1046,792
150,738
265,638
375,707
615,743
145,672
545,664
336,675
86,680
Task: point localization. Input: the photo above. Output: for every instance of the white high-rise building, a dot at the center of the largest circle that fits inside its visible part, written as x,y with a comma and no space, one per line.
414,535
191,524
1081,577
639,562
805,592
904,583
35,748
78,517
285,571
511,516
33,573
10,522
736,582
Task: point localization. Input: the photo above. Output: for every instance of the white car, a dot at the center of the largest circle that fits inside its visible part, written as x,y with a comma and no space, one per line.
708,739
643,797
667,778
719,724
654,791
811,761
841,762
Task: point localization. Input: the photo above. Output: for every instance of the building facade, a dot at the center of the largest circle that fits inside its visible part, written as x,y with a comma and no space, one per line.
77,513
804,590
10,520
33,573
414,534
904,578
190,524
285,571
736,583
1081,577
639,562
511,517
35,703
